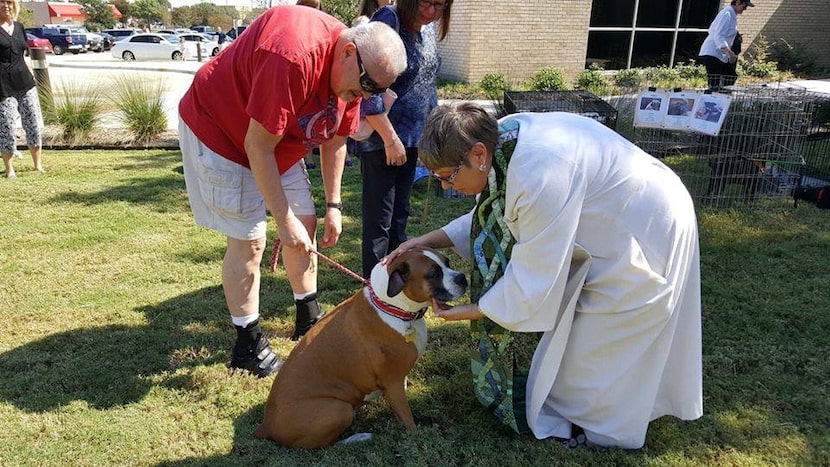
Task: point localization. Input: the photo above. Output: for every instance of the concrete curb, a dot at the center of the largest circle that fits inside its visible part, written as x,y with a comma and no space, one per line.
131,68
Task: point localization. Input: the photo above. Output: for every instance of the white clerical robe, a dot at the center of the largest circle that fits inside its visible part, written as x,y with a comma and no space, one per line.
624,347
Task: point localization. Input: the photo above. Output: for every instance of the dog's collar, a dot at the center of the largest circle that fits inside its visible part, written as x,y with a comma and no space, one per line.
392,310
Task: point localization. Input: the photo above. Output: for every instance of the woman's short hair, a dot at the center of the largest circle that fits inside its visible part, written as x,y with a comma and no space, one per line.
452,130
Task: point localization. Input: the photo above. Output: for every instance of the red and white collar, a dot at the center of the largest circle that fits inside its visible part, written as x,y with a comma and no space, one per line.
393,310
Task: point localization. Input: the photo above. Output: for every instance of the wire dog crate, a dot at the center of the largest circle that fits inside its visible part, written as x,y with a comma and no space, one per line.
758,152
578,102
816,171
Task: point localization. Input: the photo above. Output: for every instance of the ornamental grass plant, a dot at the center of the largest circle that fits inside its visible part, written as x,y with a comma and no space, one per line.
76,109
115,335
141,105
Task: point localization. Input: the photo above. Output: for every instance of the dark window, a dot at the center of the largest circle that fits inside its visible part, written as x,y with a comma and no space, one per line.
698,13
610,47
650,48
609,14
656,13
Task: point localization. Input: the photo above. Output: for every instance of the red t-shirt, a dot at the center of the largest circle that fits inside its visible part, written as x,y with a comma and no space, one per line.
277,72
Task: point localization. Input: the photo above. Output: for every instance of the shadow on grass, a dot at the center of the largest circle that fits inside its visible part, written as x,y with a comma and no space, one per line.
163,193
112,365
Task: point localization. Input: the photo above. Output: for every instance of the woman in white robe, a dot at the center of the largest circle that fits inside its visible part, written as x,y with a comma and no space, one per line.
605,263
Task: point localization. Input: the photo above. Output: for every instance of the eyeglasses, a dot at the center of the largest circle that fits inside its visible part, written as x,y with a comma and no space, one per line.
451,179
439,6
366,82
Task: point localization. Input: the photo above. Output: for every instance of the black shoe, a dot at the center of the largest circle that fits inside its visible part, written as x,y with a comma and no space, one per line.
308,313
300,331
260,361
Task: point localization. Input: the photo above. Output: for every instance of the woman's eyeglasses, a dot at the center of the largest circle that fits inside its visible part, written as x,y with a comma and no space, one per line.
366,82
451,179
439,6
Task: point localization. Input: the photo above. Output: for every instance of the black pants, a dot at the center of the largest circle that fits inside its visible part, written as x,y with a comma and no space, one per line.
718,73
386,192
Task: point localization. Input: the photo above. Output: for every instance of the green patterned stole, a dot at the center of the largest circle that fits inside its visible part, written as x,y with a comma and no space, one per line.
501,359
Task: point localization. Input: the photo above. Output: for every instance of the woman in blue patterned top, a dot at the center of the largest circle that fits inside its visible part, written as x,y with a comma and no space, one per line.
388,157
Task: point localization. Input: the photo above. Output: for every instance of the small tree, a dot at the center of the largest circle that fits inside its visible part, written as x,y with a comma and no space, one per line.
150,10
125,7
99,14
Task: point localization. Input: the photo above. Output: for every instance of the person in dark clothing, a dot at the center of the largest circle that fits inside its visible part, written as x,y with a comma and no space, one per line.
17,90
388,158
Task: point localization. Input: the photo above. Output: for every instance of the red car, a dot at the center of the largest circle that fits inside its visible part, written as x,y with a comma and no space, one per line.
34,41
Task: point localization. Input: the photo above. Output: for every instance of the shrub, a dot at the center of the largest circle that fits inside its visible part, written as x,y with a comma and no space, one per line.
548,79
593,80
662,77
757,63
794,57
76,110
691,71
630,78
457,90
141,103
494,85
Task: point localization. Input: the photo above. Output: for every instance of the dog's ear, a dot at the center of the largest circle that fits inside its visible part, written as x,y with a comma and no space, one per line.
397,279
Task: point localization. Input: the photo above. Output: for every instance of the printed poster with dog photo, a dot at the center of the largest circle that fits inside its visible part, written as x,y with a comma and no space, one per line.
651,109
709,113
679,110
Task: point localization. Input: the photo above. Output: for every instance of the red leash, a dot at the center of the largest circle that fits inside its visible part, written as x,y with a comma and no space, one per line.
275,257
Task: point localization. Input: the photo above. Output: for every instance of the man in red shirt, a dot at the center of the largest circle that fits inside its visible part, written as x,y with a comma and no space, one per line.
291,82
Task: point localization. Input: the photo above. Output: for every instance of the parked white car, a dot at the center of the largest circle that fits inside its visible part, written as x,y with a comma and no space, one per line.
208,42
151,46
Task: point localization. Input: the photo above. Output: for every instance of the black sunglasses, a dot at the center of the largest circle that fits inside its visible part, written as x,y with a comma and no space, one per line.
366,82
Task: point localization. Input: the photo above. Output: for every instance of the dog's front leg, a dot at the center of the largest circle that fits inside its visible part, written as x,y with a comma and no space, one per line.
395,395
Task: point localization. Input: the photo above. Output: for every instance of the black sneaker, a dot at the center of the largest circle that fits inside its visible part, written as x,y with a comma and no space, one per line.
260,361
300,331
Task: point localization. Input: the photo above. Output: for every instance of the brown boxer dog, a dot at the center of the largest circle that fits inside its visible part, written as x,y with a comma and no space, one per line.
368,343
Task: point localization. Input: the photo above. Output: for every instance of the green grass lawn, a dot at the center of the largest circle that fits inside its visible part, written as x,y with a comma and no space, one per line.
114,337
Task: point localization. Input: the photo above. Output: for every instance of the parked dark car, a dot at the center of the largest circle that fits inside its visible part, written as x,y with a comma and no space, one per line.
233,33
109,39
203,29
120,33
62,38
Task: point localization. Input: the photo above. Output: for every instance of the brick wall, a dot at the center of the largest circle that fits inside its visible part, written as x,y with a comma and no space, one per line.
803,21
517,38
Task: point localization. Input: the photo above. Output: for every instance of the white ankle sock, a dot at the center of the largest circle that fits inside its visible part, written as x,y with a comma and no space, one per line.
300,296
244,321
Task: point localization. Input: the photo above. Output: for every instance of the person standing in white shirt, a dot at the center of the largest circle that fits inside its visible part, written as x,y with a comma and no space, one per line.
716,53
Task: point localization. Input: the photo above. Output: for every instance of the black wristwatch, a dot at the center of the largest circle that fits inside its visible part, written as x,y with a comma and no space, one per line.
338,206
